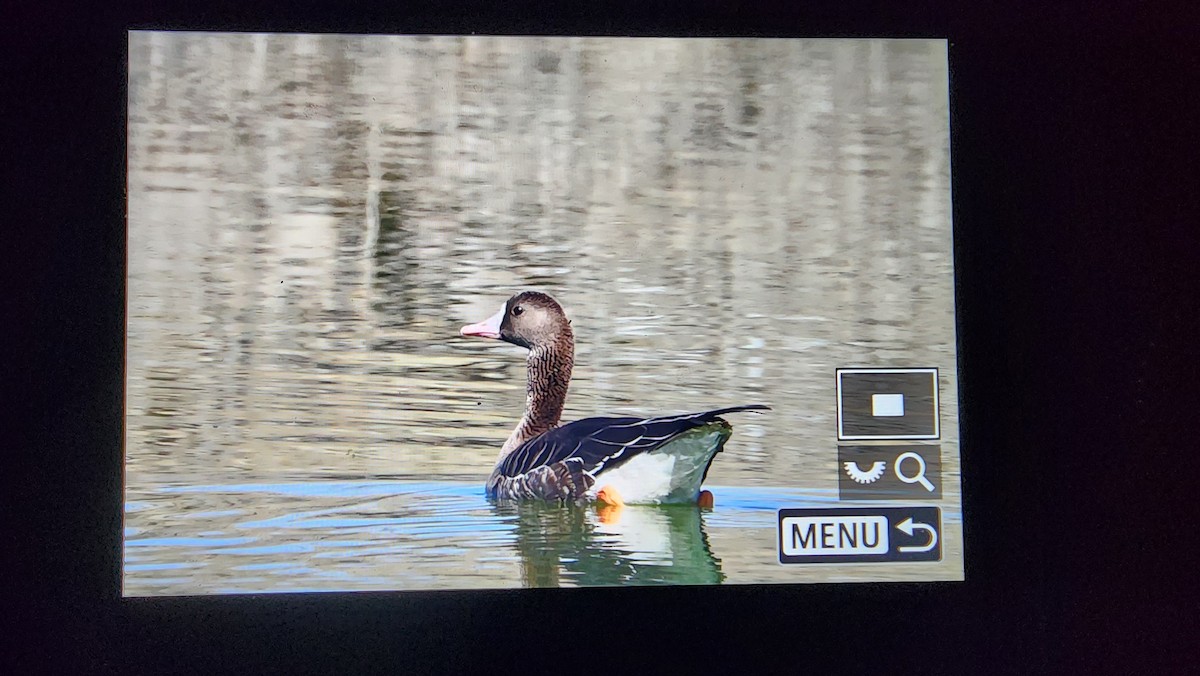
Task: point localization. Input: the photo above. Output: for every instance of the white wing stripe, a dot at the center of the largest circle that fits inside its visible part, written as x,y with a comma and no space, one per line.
686,416
539,453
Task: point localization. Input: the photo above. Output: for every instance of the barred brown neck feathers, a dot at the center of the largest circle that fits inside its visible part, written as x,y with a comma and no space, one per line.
537,322
548,377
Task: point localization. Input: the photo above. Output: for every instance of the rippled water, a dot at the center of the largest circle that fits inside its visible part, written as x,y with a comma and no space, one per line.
360,535
312,218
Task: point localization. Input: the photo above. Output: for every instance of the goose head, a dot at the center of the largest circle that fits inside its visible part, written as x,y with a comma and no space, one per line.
530,319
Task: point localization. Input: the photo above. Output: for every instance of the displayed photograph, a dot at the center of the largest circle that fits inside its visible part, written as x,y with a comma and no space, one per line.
474,312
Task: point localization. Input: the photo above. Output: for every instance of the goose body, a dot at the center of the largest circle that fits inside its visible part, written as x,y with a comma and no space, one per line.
626,459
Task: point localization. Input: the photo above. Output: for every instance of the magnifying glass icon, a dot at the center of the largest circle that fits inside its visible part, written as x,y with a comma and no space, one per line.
919,477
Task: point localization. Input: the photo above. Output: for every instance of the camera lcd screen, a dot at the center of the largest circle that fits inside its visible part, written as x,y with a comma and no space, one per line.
446,312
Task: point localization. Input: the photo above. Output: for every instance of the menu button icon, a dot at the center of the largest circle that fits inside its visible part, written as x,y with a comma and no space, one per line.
860,535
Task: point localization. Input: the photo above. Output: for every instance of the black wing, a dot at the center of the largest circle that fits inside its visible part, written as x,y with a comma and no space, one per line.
604,443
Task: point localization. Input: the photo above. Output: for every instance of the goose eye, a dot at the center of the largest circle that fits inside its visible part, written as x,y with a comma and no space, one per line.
517,311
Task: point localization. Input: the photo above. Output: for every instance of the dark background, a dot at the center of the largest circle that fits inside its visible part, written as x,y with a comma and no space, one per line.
1075,219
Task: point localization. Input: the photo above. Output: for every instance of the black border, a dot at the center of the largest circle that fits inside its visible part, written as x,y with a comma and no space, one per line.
1074,214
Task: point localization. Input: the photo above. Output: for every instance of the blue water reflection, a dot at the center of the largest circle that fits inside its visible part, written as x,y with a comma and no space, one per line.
412,535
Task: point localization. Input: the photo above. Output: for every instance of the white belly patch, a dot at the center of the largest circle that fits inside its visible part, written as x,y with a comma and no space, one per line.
672,473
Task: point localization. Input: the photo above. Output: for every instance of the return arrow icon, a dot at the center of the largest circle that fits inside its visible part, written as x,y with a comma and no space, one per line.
907,526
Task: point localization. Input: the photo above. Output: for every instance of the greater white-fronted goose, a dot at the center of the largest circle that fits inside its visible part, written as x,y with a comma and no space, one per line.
614,460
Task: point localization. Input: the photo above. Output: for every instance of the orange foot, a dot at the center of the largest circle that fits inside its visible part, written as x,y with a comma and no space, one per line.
609,496
705,500
608,514
609,505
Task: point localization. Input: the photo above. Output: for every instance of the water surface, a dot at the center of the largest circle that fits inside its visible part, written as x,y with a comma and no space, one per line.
337,535
312,218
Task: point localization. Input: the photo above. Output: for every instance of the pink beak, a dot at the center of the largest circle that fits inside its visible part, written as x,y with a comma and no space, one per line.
488,328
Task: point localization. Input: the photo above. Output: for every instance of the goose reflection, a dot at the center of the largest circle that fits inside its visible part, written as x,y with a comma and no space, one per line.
580,545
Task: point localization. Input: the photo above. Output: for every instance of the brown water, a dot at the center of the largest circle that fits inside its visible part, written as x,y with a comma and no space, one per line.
312,218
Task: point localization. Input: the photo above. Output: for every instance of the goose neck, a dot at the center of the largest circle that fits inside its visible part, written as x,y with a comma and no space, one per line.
548,375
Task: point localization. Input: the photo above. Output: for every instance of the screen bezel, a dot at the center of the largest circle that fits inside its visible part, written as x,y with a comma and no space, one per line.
748,613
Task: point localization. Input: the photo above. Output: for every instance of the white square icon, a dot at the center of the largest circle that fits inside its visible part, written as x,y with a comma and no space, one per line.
887,405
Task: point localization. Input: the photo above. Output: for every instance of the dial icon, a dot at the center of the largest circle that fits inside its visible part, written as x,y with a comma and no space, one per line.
868,477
